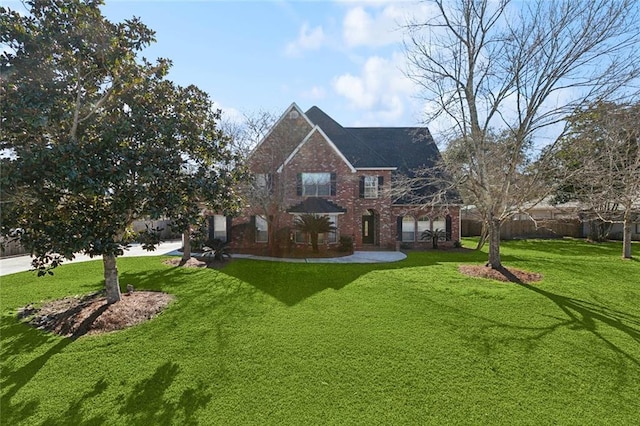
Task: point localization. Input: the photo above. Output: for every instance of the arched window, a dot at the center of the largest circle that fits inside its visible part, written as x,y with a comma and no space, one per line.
439,223
424,224
408,229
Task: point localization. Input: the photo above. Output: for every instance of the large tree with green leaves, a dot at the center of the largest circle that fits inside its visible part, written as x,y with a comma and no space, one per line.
517,69
94,136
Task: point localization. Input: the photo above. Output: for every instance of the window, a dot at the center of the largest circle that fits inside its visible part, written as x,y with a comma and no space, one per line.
262,228
408,229
371,187
220,227
262,181
316,184
332,237
439,223
424,224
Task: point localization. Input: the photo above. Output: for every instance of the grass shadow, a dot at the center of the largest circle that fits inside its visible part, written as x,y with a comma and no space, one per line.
291,283
74,416
583,315
13,381
147,403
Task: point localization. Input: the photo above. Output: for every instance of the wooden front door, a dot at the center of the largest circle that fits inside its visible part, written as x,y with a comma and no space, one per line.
368,229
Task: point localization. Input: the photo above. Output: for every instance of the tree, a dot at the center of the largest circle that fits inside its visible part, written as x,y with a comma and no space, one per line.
602,149
314,225
516,70
97,136
266,142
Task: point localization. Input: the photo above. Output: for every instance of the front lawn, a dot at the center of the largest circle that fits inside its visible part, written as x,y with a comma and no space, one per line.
413,342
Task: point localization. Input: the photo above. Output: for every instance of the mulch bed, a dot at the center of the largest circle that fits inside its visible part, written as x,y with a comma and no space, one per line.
76,316
502,274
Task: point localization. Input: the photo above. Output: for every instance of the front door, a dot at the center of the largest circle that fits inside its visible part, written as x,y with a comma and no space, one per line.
368,230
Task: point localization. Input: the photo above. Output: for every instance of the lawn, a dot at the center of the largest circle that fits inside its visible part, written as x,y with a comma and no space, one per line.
413,342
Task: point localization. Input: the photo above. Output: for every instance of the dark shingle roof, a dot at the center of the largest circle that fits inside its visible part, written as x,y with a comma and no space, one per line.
403,147
316,205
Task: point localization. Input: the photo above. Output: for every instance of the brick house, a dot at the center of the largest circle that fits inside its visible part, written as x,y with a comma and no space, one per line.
308,163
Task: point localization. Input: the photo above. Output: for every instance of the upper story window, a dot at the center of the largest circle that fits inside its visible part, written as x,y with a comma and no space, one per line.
370,186
262,182
315,184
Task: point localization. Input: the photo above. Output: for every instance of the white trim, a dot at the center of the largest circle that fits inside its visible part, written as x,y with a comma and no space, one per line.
277,123
326,138
364,169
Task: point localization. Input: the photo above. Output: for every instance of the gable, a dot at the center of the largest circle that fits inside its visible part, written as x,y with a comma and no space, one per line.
285,135
318,137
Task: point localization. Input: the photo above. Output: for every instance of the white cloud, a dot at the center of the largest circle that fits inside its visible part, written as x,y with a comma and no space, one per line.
308,39
381,91
377,28
315,93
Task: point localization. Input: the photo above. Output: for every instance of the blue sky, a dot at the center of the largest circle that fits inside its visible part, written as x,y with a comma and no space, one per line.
344,56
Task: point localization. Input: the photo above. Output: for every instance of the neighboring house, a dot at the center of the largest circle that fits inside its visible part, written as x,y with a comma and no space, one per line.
308,163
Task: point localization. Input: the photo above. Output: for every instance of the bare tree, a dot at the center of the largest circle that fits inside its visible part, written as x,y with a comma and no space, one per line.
266,142
603,149
513,70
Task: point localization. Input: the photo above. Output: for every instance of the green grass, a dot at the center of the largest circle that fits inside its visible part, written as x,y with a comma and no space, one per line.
412,342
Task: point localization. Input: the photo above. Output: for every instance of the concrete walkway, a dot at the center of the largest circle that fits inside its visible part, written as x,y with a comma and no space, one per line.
356,257
11,265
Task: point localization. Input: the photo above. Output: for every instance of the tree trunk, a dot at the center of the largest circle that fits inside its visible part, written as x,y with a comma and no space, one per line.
111,283
494,244
314,242
626,235
186,244
483,236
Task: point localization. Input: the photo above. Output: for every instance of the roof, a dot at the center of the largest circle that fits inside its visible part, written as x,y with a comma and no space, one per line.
403,147
316,205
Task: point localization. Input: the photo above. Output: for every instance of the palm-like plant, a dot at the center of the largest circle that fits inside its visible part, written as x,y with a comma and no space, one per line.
313,225
216,250
434,236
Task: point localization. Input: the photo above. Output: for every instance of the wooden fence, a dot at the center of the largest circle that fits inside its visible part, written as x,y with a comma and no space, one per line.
528,229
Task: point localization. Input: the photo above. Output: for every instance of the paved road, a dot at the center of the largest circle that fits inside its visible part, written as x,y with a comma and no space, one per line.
15,264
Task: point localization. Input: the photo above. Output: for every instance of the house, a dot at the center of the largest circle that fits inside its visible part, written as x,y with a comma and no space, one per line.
309,163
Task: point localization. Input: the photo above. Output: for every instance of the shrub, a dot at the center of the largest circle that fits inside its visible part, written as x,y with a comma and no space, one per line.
346,244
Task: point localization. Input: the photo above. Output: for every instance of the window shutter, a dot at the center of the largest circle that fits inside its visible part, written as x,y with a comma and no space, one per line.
380,181
399,228
270,183
448,227
229,226
361,186
211,234
299,184
253,230
333,184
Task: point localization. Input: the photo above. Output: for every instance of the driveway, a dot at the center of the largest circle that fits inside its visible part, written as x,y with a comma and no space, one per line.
11,265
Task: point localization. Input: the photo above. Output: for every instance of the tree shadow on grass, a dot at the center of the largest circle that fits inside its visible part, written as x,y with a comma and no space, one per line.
146,403
583,315
74,416
28,339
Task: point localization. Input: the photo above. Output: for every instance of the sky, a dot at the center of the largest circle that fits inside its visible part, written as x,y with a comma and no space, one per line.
346,57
